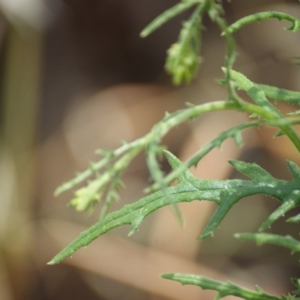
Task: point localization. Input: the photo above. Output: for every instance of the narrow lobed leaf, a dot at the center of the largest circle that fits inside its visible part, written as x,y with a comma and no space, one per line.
223,288
289,201
252,170
257,17
225,193
279,94
228,200
268,238
295,219
294,169
166,16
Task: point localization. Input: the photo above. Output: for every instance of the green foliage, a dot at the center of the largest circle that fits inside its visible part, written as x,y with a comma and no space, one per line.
226,288
225,193
263,238
182,63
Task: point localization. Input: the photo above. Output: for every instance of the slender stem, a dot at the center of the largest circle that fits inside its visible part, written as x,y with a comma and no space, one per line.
263,16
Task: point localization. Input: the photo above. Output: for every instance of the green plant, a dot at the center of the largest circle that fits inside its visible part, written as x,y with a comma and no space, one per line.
182,63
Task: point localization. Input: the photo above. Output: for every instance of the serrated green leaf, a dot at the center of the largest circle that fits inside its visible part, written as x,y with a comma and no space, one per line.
268,238
238,139
289,201
279,134
279,94
175,163
294,113
294,169
258,96
295,219
166,16
296,282
223,288
257,17
252,170
225,193
229,198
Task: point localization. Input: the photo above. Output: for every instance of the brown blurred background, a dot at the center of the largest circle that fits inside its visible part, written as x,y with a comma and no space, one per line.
75,76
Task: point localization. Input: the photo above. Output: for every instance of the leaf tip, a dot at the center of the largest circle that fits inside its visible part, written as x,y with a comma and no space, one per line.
57,192
51,262
143,34
205,235
237,235
166,275
263,227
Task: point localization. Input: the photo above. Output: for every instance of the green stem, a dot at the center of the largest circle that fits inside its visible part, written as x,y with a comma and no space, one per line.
263,16
166,16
